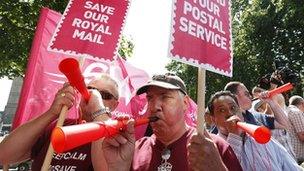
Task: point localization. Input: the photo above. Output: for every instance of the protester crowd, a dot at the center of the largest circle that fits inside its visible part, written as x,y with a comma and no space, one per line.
173,145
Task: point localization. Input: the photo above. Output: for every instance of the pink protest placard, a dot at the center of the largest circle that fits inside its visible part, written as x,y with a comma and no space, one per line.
90,28
201,34
43,78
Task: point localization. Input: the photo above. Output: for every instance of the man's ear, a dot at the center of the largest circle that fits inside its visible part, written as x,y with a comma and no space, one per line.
186,102
114,105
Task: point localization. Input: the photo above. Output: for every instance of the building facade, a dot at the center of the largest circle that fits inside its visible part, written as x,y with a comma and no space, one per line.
12,103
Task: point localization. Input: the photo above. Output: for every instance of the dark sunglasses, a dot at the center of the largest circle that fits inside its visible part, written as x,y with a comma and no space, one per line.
104,94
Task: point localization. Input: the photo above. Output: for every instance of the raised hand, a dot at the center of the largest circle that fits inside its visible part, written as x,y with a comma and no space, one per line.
119,149
203,154
231,125
64,97
95,103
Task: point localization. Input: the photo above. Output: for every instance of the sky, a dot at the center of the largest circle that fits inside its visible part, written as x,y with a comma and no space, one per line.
5,86
148,25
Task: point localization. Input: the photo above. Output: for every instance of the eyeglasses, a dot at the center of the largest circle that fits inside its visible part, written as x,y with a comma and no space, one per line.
104,94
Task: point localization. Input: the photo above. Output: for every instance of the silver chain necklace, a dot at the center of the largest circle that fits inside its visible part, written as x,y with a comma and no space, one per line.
165,166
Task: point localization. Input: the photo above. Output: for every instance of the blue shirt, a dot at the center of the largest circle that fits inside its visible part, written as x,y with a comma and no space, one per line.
259,119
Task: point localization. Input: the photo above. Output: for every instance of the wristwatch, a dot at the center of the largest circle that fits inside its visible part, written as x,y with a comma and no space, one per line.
104,110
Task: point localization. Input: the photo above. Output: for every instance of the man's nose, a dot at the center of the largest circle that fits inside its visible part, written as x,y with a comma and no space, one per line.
155,104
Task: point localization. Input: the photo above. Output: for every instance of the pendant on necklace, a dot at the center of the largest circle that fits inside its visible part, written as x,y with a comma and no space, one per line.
165,166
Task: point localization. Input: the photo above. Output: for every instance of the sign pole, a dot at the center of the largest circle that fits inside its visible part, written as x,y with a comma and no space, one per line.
49,155
201,89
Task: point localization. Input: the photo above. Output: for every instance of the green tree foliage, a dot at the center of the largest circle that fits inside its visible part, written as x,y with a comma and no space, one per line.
214,82
18,20
126,47
263,30
268,30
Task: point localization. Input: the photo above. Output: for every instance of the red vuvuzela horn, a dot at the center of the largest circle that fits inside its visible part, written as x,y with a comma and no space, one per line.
70,68
69,137
260,133
280,89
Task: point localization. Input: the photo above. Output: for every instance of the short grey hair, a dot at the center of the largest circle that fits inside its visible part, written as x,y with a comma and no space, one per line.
295,100
107,77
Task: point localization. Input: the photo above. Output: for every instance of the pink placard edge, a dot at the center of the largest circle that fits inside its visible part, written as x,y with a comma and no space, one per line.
74,53
192,61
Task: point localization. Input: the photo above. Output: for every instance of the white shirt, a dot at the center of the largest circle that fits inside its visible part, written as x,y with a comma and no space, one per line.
261,157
